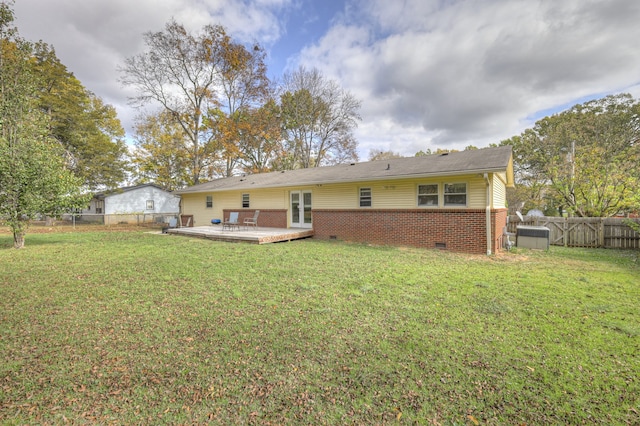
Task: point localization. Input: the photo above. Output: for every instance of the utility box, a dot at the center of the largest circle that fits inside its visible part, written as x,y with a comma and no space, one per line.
533,237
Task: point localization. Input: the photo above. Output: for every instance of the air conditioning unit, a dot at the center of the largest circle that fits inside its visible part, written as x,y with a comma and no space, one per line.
533,237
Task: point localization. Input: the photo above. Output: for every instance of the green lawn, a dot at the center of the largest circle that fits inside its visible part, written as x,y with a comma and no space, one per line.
131,327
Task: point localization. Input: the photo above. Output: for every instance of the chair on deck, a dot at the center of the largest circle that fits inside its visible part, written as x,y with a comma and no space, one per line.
251,221
231,222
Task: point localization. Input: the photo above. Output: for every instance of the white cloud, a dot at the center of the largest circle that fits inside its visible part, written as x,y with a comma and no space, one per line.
93,37
471,72
430,73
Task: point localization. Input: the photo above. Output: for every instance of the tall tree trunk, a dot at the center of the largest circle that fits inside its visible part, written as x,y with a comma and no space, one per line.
19,229
18,239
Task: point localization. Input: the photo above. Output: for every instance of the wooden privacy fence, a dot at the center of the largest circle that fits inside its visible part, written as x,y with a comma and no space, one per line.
583,231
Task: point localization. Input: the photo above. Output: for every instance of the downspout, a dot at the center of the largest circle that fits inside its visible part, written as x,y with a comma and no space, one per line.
488,213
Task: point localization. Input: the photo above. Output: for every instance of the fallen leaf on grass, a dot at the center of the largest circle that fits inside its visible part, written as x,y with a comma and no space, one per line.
473,419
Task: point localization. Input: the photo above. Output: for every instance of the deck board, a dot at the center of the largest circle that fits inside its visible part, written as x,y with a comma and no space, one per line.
259,235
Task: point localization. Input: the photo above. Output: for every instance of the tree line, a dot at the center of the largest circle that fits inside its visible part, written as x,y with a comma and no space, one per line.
584,161
207,110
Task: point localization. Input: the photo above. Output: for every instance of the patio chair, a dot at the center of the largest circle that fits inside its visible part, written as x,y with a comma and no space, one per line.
231,222
251,221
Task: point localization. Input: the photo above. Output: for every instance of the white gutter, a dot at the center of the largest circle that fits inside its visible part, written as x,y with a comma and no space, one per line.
488,213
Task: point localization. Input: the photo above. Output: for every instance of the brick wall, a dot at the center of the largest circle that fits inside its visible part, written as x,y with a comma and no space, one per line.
271,218
454,229
499,221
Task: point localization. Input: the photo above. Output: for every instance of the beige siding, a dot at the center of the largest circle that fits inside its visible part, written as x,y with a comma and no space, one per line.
399,194
396,194
477,189
499,194
269,199
339,196
384,195
195,204
258,199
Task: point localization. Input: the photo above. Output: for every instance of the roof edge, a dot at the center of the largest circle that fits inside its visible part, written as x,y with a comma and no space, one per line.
328,182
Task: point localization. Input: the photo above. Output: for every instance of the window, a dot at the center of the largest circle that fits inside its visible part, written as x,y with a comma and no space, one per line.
209,203
149,204
455,194
99,206
428,195
365,197
245,201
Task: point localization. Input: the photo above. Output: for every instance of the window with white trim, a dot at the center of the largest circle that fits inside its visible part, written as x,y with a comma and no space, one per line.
455,194
209,202
245,201
428,195
149,205
365,197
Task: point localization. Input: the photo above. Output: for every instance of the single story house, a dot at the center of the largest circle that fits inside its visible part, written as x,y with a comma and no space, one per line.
137,203
453,201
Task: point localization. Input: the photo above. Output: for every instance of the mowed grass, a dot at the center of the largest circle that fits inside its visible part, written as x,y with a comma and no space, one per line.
131,327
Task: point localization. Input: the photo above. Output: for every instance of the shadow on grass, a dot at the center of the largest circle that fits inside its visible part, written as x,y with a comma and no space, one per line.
6,241
601,255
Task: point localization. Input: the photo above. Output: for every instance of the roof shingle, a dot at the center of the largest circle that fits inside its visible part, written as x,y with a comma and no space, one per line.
465,162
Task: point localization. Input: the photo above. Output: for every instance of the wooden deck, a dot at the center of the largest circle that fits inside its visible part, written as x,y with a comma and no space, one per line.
258,235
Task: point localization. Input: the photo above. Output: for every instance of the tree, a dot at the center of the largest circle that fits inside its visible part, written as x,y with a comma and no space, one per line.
86,127
319,118
244,87
261,132
204,81
530,191
584,160
436,152
181,72
378,154
33,175
161,155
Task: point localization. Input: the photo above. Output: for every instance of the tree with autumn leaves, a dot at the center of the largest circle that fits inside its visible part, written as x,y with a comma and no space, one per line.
221,115
210,92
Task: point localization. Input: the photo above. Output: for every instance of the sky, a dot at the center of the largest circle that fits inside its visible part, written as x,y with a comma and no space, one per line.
430,73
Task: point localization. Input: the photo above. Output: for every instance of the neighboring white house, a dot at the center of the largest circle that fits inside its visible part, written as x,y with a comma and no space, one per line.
138,203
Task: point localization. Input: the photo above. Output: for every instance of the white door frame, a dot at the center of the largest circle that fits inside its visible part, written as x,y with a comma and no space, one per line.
300,209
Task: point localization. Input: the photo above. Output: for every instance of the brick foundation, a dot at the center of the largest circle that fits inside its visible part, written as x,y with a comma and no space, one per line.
455,230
